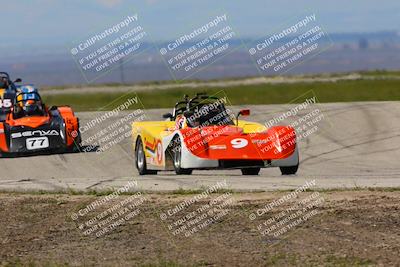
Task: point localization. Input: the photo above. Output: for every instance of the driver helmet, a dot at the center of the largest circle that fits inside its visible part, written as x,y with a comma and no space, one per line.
32,107
4,83
28,101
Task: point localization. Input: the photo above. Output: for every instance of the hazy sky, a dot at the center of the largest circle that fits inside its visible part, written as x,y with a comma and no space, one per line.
63,21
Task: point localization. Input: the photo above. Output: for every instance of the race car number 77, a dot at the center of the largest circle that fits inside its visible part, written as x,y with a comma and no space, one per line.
37,142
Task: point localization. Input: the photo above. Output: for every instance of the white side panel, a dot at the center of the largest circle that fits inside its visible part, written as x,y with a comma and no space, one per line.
189,161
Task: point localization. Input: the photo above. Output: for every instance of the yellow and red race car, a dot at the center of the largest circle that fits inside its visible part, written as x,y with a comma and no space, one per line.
201,133
30,127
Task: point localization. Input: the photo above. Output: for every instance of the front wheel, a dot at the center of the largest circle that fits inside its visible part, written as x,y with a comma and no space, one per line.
140,159
177,158
76,145
289,170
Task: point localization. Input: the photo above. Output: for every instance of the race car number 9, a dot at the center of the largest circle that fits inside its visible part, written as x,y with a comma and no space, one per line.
5,103
37,143
239,142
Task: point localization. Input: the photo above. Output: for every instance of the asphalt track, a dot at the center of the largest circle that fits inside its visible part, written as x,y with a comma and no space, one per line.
356,145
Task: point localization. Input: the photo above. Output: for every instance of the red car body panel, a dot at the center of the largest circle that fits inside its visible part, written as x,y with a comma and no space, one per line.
229,142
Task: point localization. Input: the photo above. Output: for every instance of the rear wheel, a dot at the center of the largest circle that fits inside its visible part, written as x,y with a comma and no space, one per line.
250,171
140,159
177,157
289,170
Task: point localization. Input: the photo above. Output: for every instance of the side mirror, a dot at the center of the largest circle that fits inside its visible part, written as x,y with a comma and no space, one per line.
243,112
18,80
167,116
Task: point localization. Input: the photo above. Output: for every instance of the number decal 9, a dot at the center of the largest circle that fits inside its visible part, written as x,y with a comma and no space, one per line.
239,143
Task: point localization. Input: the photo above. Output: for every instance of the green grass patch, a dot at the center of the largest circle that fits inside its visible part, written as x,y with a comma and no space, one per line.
332,260
341,91
380,73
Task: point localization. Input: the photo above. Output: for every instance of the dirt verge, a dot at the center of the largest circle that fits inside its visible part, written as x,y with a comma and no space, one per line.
348,228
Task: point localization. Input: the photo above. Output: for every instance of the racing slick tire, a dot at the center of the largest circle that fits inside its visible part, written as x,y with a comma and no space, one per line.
177,157
289,170
76,146
140,159
250,171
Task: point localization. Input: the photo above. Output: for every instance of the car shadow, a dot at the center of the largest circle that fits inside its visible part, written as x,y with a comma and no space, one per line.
82,149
